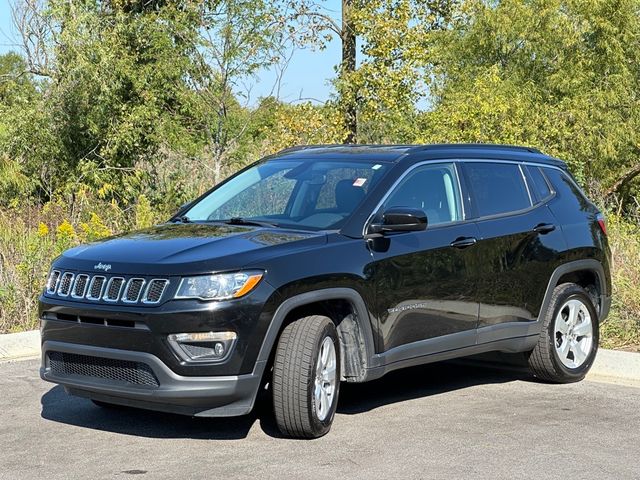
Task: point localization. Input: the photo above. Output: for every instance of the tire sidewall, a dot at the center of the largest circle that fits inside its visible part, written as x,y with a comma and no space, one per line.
323,426
574,292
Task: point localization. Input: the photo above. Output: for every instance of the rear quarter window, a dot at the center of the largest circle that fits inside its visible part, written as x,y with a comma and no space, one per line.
572,197
539,183
497,188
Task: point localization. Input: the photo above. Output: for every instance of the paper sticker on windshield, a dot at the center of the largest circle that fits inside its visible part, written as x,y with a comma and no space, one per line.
376,166
359,182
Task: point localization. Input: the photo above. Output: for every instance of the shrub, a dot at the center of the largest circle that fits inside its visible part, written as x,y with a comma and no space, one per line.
622,329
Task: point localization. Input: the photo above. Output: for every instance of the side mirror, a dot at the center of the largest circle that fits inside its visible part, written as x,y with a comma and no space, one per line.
401,219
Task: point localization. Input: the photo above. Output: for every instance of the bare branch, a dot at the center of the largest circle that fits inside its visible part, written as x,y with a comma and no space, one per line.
36,33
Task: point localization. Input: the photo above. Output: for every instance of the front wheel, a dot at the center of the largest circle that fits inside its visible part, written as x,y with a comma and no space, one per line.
568,341
306,377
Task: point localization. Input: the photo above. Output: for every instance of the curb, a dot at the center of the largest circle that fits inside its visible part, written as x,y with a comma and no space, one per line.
14,346
610,365
616,365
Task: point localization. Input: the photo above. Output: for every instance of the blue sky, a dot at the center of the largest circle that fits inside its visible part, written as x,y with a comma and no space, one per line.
307,75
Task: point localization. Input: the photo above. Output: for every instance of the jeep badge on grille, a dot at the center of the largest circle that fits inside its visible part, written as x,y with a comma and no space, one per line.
102,266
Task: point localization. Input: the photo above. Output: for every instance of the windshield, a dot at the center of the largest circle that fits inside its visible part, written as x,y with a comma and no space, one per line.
316,195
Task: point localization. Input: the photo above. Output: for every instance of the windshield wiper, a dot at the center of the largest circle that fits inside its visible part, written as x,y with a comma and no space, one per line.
183,219
246,221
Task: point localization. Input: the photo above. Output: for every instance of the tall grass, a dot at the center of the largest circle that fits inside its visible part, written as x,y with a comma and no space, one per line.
31,238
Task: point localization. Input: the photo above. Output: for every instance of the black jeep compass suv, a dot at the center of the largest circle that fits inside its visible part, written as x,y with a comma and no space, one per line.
329,264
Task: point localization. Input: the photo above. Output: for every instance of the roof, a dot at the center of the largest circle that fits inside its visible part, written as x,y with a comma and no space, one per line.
392,153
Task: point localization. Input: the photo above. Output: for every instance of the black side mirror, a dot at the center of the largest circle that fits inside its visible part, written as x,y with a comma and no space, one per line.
400,219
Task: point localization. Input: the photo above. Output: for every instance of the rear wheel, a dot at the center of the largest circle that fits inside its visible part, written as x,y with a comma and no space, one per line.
568,341
306,377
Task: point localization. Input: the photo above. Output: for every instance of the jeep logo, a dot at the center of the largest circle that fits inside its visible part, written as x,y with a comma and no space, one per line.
102,266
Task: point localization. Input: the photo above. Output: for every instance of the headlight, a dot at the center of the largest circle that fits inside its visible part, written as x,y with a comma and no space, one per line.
221,286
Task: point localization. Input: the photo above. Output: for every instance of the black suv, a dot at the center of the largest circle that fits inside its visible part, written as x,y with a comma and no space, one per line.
324,264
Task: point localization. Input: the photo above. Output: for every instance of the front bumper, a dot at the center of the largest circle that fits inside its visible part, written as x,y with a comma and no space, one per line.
219,396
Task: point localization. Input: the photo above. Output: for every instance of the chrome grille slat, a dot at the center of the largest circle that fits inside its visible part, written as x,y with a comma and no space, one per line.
106,288
114,287
80,286
154,291
52,283
133,290
95,287
65,284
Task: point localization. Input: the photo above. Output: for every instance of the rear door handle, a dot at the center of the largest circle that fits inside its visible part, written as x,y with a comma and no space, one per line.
544,228
464,242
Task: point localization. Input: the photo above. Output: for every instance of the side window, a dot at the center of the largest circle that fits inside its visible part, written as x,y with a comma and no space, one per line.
497,187
433,189
538,183
341,180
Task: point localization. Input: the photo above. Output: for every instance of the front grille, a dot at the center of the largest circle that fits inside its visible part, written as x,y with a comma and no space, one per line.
121,371
106,289
113,289
155,290
65,284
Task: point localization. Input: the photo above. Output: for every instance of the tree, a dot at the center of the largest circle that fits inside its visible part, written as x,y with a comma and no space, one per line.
378,92
560,75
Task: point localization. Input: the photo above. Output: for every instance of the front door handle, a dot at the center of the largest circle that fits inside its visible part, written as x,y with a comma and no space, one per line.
464,242
543,228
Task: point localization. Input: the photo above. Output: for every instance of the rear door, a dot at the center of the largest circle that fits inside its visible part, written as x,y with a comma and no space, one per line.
518,245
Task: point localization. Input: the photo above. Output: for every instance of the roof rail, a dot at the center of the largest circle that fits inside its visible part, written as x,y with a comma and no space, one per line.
413,147
495,146
296,148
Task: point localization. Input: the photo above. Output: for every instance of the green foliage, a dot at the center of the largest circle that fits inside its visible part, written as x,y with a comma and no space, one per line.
394,65
562,75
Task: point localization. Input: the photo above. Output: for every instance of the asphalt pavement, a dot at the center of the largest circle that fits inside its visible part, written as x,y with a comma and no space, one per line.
438,421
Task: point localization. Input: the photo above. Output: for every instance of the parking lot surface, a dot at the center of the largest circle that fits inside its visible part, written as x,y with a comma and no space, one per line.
438,421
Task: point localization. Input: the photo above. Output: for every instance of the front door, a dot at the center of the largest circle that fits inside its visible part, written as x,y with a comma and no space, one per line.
424,283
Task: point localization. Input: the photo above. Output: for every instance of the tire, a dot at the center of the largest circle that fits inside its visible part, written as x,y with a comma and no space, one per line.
297,410
562,354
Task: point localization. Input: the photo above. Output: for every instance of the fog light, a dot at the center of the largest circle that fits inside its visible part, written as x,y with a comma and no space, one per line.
203,346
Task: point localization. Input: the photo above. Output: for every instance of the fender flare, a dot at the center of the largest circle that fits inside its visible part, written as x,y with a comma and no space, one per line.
576,266
352,296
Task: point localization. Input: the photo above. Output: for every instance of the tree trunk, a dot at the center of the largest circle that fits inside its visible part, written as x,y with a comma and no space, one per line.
348,67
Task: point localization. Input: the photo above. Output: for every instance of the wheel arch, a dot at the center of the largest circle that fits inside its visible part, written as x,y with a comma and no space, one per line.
354,329
580,272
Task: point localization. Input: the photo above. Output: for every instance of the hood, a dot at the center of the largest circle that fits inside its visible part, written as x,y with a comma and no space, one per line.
178,249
